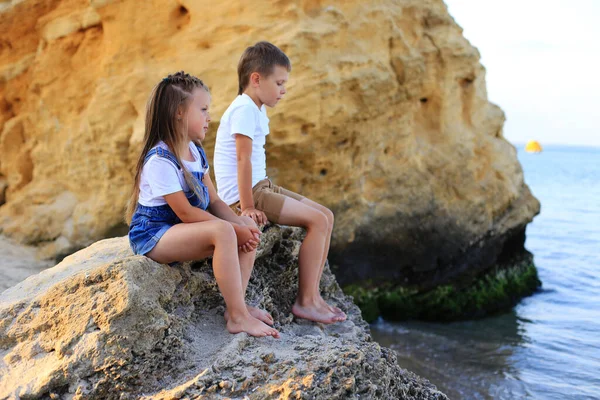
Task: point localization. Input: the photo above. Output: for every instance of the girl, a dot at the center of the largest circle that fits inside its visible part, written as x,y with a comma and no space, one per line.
171,196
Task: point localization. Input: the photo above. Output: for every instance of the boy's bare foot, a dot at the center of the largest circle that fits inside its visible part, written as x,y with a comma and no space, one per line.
251,326
257,313
317,313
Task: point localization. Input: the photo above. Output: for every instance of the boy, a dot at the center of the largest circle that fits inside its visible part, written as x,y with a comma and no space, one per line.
240,170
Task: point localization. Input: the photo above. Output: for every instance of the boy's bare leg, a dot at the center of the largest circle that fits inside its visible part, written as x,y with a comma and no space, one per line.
309,304
246,266
330,219
194,241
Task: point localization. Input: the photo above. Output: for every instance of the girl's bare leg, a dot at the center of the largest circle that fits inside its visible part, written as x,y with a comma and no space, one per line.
330,219
194,241
308,303
246,266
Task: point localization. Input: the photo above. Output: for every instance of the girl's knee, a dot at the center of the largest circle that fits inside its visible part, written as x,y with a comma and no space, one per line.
222,230
249,222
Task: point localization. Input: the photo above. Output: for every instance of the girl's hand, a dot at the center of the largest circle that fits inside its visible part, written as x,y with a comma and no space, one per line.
258,216
243,220
247,237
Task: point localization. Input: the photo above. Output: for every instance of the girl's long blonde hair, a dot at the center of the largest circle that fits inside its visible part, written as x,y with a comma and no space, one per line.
172,94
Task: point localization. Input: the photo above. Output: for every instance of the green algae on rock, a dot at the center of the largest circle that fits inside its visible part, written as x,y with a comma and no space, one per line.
494,291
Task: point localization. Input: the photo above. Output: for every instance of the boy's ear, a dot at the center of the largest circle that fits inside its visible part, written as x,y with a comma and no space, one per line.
254,79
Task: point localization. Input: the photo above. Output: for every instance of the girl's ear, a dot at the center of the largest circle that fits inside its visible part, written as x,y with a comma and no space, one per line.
255,79
179,114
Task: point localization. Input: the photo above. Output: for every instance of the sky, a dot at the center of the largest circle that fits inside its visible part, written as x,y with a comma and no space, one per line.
542,59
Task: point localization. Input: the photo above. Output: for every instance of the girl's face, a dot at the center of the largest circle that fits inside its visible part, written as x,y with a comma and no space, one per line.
272,88
198,115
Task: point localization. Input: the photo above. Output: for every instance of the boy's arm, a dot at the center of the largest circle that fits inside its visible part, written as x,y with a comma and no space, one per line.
243,147
217,206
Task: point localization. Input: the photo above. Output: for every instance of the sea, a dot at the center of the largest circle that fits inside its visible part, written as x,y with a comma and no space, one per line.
548,346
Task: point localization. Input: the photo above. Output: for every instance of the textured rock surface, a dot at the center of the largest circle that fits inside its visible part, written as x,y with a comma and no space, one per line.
107,324
386,121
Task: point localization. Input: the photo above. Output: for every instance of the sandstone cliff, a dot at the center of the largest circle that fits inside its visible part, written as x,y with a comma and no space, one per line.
105,324
386,121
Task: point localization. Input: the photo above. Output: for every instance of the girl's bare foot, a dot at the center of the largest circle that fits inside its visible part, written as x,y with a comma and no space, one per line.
257,313
260,315
251,326
337,311
315,312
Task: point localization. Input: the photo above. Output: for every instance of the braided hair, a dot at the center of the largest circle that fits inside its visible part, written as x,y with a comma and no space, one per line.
171,95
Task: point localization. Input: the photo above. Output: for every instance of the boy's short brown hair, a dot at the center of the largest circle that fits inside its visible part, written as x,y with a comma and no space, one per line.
261,58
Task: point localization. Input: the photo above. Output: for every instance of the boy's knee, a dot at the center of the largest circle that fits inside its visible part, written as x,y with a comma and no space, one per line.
330,217
328,214
319,221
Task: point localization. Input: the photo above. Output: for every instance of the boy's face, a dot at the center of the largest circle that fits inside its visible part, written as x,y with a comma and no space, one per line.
272,88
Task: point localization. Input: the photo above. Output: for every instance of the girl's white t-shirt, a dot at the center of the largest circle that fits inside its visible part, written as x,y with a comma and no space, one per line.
161,177
242,117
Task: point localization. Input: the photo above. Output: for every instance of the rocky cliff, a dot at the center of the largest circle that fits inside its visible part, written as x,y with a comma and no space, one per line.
104,324
386,121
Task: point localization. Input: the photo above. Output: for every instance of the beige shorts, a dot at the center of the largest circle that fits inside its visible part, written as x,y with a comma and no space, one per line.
269,199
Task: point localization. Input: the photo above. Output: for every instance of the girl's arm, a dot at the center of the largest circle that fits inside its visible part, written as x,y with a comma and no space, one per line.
222,210
185,211
188,213
247,237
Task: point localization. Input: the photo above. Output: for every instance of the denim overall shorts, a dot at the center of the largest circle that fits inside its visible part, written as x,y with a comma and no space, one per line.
149,224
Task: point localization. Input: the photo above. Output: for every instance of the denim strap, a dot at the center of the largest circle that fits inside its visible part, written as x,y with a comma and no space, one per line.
203,158
159,151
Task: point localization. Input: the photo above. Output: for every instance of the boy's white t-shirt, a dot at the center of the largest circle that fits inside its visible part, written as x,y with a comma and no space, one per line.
244,117
161,177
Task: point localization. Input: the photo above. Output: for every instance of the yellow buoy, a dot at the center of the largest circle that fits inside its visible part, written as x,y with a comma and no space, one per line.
533,146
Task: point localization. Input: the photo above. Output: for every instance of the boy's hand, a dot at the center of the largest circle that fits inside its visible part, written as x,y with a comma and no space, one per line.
247,237
258,216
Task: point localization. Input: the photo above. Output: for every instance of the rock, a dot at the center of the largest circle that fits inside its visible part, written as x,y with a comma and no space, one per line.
3,186
386,121
105,324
